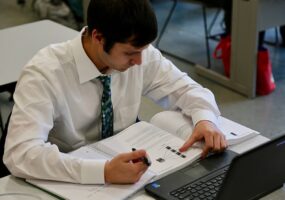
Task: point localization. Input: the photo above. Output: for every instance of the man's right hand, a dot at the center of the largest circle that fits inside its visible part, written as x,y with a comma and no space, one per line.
121,169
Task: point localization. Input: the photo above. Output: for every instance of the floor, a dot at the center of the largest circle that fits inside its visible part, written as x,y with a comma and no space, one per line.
184,38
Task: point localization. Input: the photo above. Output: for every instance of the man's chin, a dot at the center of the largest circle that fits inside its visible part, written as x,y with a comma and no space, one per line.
125,68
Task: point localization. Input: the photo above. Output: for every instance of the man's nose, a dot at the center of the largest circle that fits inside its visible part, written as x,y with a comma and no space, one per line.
136,59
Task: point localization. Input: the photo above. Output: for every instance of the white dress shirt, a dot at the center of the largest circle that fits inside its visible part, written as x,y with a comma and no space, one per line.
57,108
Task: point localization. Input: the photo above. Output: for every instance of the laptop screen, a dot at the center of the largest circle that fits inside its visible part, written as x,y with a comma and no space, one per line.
256,172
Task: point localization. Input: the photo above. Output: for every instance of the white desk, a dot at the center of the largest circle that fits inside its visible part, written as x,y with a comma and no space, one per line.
248,18
11,184
20,43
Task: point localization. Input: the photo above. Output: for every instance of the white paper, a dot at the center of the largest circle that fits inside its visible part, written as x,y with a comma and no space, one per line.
90,192
161,146
235,133
182,126
173,122
88,152
249,144
87,192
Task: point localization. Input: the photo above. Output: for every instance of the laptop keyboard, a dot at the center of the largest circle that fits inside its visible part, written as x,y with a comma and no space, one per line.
201,189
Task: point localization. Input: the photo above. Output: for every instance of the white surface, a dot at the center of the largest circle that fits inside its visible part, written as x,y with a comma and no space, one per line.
12,184
17,195
20,43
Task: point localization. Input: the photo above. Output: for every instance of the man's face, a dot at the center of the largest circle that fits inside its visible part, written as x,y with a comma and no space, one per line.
122,56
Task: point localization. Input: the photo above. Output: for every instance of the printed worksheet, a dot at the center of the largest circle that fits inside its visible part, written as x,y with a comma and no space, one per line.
162,147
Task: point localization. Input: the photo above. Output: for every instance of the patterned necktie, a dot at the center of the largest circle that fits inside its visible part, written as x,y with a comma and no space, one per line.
106,107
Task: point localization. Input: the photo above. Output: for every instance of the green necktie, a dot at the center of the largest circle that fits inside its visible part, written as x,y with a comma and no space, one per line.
106,107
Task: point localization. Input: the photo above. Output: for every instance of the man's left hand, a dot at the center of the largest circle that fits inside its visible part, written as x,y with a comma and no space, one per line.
209,133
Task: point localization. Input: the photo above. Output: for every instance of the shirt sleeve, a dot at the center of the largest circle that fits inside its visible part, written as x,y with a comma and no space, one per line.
175,90
28,154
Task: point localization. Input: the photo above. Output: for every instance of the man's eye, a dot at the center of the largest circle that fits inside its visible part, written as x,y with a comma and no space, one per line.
128,54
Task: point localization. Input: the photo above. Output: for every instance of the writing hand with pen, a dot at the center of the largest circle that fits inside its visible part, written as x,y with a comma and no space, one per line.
127,168
206,131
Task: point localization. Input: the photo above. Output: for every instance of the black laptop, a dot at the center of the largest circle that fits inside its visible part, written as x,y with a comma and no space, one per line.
227,176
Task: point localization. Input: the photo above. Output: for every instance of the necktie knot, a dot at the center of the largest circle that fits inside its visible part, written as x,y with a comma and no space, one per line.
105,80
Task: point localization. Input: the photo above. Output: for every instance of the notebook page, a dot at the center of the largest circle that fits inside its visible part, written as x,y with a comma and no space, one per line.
161,146
180,125
174,122
235,133
74,191
88,152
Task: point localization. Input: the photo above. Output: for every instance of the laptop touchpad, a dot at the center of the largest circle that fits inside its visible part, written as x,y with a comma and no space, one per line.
211,163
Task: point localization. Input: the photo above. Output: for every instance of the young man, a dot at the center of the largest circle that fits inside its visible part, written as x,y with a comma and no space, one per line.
58,98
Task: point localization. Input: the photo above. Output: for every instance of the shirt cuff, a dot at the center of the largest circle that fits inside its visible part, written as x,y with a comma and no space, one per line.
92,171
204,115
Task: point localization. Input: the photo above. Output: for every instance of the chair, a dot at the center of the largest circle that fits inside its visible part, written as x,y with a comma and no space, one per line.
205,4
6,88
1,123
3,169
276,38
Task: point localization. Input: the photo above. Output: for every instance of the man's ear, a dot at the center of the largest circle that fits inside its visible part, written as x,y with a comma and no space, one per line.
97,37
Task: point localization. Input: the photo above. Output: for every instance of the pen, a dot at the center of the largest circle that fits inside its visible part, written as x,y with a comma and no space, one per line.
233,133
146,160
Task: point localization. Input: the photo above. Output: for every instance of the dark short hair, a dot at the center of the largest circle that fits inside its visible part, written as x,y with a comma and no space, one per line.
123,21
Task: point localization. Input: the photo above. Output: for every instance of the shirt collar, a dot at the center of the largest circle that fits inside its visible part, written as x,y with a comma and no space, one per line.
86,69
